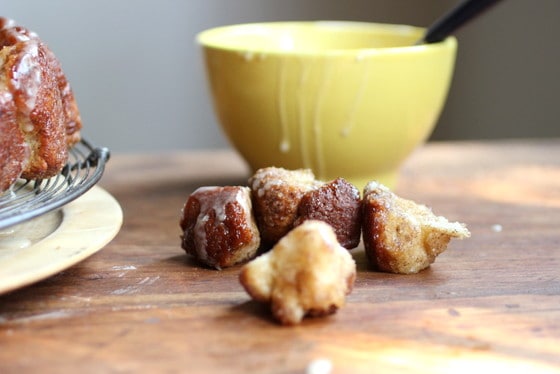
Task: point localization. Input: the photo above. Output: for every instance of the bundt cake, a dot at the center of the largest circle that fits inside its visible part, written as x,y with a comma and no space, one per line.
39,117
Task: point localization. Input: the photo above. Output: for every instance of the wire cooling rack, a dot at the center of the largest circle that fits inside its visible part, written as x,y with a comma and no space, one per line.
28,199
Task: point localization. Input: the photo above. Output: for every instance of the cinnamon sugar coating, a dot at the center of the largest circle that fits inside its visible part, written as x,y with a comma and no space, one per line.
276,193
307,273
401,236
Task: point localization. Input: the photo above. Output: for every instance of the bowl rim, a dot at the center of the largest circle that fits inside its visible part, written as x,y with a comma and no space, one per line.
209,38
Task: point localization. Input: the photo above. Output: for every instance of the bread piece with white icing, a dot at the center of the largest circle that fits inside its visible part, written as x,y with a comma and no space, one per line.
218,225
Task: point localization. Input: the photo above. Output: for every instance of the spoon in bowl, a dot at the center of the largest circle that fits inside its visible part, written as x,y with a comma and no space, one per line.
454,19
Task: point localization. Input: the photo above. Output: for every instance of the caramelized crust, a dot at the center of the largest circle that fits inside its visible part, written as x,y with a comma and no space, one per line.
35,91
337,203
13,151
276,194
39,109
218,226
401,236
12,34
72,119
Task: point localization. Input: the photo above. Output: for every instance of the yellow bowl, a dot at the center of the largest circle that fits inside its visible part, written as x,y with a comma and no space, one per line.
345,99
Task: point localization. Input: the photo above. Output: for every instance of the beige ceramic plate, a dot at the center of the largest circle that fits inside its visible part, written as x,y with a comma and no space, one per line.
48,244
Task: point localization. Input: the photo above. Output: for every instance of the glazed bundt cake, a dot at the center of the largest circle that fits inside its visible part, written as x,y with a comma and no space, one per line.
39,117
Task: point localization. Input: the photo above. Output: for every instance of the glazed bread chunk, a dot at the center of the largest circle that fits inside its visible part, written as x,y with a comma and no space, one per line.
307,273
276,193
337,203
218,225
401,236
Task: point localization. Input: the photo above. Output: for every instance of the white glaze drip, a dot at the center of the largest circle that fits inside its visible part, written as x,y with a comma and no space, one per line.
284,146
302,109
317,124
27,77
281,98
24,235
217,203
351,114
248,55
306,106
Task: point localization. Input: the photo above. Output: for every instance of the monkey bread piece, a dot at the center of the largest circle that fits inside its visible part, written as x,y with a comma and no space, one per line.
276,194
307,273
337,203
218,225
401,236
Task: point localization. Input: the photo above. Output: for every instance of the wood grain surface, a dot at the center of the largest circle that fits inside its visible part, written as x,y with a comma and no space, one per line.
489,304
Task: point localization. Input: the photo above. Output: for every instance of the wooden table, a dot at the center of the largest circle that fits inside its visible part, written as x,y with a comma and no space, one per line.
489,304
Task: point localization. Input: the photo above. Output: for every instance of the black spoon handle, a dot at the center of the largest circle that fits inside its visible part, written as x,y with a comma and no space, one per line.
456,18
